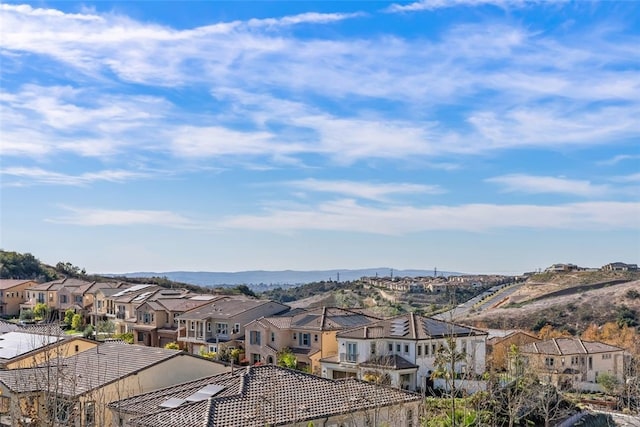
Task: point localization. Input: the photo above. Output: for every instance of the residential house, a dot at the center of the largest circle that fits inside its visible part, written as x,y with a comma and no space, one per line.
102,308
402,351
220,323
499,348
620,266
121,306
12,294
269,395
58,295
157,319
26,348
76,391
310,334
561,268
573,362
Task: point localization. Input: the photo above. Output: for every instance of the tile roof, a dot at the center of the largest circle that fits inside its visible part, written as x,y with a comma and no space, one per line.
10,283
259,396
410,326
227,307
87,370
389,362
563,346
320,319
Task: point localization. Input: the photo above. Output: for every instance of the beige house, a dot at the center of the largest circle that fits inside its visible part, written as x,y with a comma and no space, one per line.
309,334
25,350
58,295
573,362
220,323
12,294
157,320
259,396
499,348
402,351
76,390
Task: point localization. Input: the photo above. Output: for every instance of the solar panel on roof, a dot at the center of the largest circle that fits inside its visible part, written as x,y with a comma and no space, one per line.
173,402
131,289
351,320
400,327
205,393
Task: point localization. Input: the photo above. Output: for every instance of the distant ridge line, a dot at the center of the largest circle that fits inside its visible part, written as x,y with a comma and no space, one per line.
281,277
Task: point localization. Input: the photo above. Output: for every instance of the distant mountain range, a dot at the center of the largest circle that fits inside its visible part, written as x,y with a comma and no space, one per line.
278,278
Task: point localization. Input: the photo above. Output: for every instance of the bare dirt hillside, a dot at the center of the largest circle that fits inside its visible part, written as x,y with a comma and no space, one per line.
569,302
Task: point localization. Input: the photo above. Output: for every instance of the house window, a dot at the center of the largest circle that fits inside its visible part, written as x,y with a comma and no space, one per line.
140,336
222,329
304,340
315,338
419,350
192,326
236,328
433,349
606,356
273,337
390,347
352,352
89,414
255,358
549,361
254,337
208,326
79,299
63,299
63,410
463,346
426,349
373,348
406,348
590,363
50,296
295,336
77,348
398,346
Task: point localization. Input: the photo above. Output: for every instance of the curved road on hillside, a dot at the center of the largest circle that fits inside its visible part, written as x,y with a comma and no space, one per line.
485,300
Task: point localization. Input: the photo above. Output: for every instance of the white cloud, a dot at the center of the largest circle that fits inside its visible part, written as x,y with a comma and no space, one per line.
365,190
441,4
632,178
521,183
110,217
347,215
619,158
567,91
56,178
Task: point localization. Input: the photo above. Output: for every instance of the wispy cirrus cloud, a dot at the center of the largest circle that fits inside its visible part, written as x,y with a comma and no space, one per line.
632,178
347,215
441,4
42,176
521,183
542,91
364,190
619,158
89,217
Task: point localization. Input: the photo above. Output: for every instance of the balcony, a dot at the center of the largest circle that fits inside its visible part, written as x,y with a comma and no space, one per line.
349,357
120,315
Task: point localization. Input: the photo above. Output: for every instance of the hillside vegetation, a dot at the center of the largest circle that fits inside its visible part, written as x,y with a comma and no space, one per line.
568,301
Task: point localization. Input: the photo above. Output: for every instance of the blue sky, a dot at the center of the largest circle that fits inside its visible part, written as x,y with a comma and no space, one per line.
469,135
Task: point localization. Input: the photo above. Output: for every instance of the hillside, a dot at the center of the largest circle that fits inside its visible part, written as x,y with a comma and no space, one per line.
262,280
569,301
